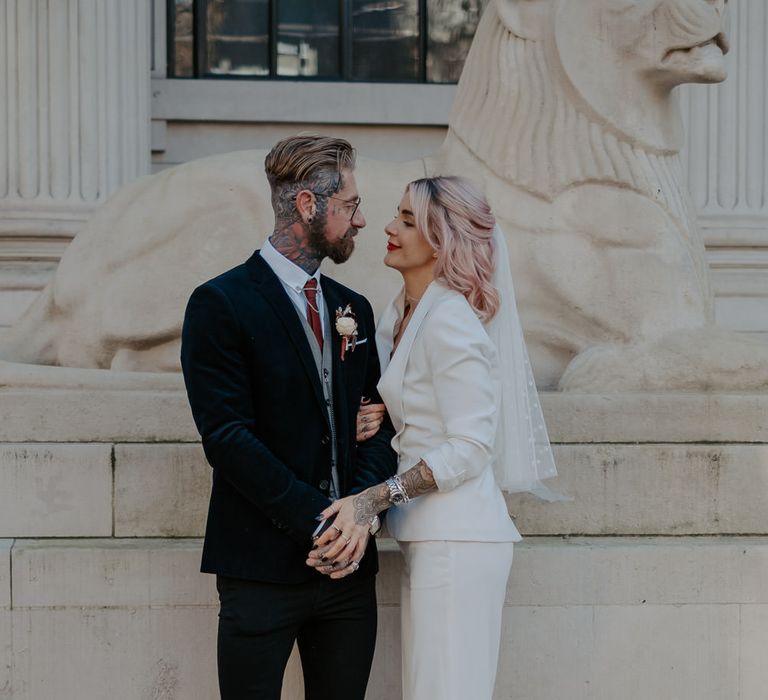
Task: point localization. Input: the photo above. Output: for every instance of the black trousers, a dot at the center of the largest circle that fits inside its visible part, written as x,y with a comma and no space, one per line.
334,623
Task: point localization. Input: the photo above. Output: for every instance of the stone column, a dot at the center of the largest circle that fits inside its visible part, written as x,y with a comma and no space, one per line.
74,126
727,163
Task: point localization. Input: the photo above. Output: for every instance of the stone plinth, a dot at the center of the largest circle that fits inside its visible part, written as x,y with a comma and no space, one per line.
110,603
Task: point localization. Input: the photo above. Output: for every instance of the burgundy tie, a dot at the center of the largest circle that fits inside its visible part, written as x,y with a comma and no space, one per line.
313,315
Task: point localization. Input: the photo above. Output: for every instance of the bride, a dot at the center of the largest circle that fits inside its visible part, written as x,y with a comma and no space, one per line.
460,393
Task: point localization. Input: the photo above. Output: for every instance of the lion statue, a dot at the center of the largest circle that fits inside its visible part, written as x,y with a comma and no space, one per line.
565,113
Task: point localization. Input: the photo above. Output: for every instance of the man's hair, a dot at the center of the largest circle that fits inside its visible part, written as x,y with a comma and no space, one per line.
306,158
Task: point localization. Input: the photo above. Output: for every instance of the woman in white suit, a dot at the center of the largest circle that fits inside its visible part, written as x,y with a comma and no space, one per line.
446,394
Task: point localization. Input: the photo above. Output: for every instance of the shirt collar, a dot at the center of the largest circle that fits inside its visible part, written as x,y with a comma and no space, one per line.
287,272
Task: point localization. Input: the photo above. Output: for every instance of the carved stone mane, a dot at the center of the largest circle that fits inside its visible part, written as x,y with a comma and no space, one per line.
509,80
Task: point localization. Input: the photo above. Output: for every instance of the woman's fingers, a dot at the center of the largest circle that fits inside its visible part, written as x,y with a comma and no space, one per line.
369,420
332,509
353,563
350,541
365,431
371,409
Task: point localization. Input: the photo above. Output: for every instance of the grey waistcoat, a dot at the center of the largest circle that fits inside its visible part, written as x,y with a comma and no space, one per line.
324,364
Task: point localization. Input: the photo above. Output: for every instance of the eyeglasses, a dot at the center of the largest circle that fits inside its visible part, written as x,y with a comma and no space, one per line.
354,203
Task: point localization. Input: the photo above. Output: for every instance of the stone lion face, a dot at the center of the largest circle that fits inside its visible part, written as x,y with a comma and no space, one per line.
669,42
622,58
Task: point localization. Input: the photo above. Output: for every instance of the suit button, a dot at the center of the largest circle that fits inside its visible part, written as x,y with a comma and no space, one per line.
323,484
325,440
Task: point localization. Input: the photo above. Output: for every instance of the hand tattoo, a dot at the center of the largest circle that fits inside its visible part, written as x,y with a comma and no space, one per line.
370,502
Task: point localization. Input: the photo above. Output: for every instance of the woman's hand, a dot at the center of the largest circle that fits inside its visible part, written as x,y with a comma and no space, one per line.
340,548
369,419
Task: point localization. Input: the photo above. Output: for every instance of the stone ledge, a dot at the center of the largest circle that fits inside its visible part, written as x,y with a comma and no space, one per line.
548,572
145,415
73,415
675,417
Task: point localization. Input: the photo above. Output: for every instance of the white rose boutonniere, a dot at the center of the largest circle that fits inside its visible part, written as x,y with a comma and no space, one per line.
346,327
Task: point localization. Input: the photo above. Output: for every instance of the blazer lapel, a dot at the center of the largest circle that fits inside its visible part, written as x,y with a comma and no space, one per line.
271,288
385,329
391,383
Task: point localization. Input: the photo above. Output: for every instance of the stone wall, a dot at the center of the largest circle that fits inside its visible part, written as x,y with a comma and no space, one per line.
648,585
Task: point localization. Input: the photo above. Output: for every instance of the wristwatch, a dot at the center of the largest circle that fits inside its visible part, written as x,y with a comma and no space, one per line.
374,525
397,494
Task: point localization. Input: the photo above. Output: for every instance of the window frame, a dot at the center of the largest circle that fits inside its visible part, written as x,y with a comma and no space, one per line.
199,43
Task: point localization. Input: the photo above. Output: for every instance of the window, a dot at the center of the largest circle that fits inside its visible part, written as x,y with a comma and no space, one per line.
411,41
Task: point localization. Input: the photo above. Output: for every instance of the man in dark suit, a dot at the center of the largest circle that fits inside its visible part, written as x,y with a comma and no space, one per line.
275,382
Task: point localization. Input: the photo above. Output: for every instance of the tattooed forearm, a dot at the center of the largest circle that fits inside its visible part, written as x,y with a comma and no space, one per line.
371,502
418,480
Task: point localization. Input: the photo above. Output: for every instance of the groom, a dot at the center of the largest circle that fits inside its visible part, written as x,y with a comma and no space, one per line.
275,388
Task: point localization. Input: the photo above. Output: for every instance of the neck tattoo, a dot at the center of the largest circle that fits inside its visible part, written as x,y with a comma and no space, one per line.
291,241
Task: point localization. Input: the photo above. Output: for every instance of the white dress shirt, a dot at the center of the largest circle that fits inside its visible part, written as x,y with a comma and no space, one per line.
293,279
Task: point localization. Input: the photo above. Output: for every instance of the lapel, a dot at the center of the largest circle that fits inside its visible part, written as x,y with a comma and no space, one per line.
385,329
391,384
271,288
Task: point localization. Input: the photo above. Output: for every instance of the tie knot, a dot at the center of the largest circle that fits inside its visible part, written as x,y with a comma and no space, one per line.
311,284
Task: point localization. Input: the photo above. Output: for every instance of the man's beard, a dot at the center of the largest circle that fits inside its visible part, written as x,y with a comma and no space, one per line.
339,251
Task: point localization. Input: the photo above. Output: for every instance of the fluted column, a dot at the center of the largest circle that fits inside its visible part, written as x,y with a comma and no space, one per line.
74,112
727,136
727,164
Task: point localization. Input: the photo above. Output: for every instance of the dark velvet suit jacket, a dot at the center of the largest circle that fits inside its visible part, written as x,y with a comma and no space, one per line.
258,403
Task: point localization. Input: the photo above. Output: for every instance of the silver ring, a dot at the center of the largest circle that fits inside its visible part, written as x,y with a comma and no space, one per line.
346,539
337,529
355,565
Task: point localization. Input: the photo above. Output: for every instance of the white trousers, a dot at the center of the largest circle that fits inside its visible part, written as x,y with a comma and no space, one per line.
451,604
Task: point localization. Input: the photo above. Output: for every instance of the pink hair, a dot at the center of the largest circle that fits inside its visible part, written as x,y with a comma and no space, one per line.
456,219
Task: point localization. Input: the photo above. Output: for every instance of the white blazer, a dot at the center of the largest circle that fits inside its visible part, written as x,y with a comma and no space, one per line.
440,393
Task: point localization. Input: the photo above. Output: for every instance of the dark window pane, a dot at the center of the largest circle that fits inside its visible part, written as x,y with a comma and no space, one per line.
452,25
308,38
183,47
385,40
238,37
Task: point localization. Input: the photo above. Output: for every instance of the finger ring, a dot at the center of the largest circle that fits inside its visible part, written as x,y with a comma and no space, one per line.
337,529
346,539
355,565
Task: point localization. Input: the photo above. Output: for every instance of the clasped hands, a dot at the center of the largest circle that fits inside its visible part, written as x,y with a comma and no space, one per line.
338,550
